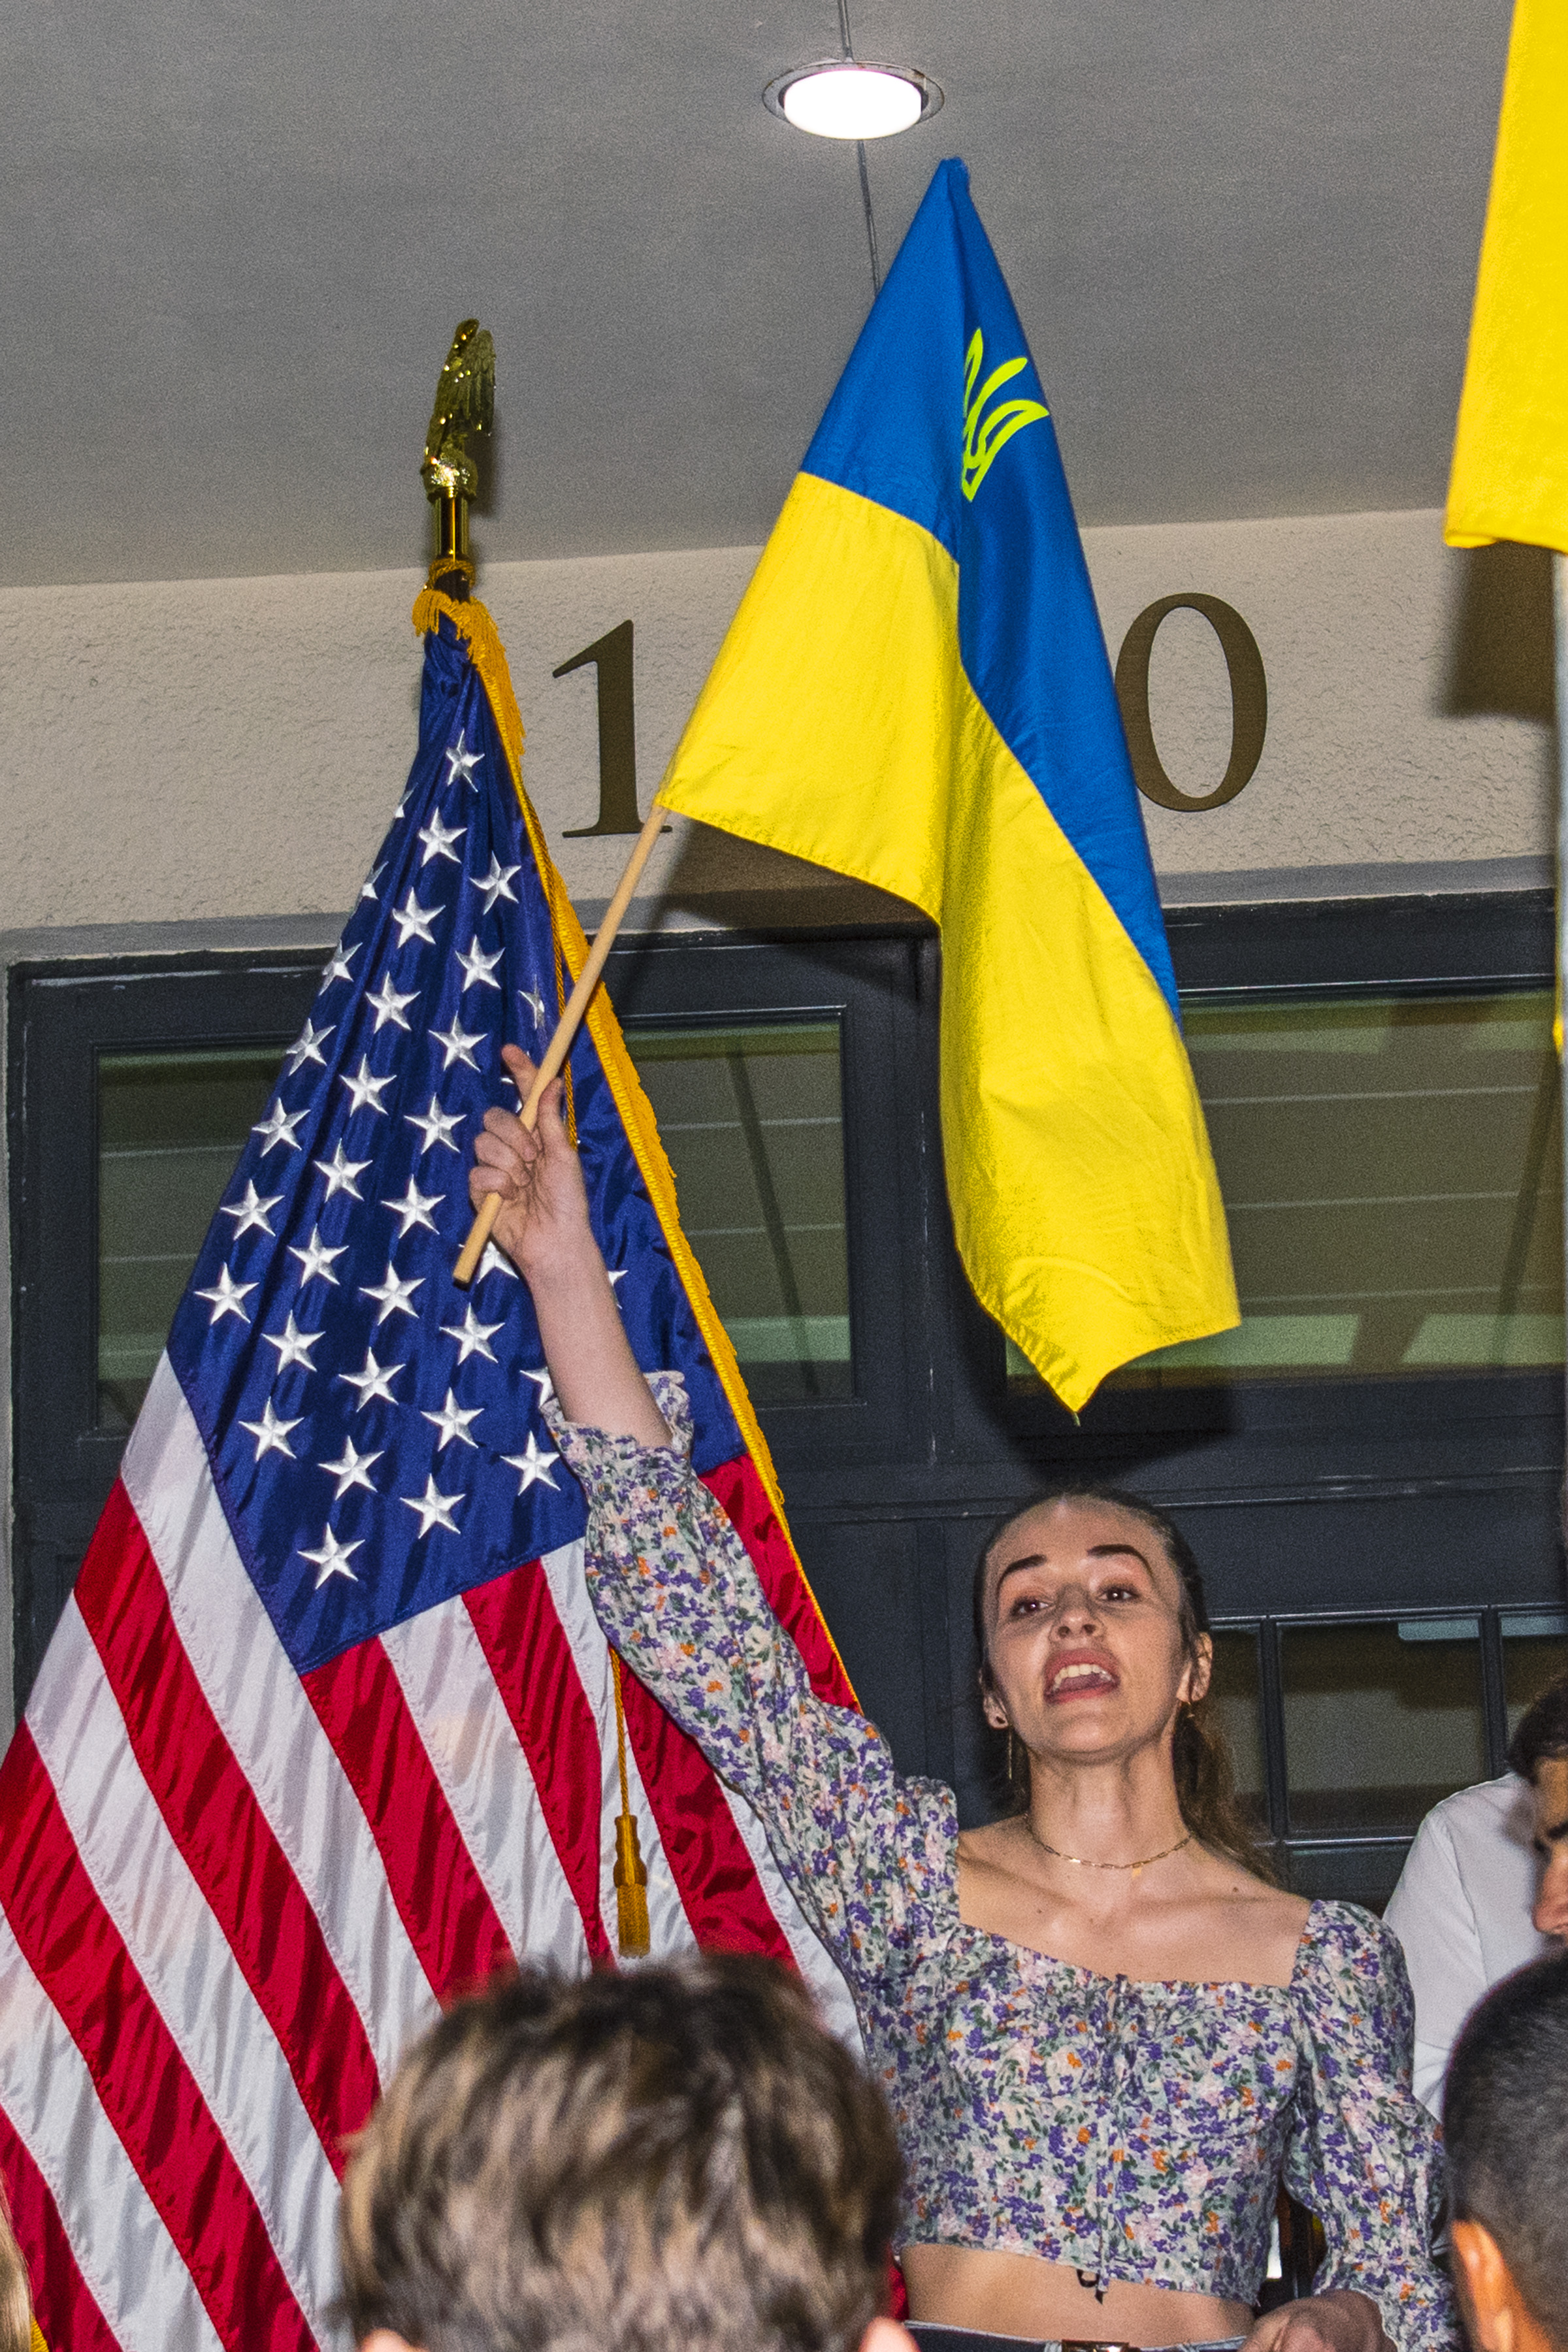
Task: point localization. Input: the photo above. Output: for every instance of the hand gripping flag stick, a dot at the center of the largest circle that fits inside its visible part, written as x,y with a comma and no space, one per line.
566,1028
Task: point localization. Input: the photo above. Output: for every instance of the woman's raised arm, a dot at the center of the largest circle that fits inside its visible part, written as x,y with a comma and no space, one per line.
866,1851
543,1228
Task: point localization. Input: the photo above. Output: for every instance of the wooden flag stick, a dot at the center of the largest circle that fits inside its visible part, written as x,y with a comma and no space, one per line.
566,1028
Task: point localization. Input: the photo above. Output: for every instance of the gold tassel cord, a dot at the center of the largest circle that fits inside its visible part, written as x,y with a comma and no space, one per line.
474,625
632,1932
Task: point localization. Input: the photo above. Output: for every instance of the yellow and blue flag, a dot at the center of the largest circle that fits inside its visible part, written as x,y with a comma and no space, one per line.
915,691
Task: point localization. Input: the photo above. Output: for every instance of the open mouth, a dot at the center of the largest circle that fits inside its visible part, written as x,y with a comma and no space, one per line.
1081,1678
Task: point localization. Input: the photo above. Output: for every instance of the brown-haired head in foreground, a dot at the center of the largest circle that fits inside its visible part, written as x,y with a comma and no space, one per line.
677,2160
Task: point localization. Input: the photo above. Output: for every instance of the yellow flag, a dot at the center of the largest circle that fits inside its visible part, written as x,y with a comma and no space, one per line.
1510,479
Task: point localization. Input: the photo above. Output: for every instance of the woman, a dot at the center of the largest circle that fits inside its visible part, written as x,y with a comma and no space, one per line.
1102,2035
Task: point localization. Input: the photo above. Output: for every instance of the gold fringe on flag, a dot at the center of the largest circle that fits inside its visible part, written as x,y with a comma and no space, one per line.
632,1932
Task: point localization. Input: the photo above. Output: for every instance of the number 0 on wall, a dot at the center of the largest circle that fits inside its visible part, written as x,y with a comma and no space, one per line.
1248,701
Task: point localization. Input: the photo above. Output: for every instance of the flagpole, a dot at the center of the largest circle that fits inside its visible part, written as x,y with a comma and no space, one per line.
566,1028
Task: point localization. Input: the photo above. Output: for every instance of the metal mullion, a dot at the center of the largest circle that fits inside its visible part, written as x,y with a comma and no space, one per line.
1270,1691
1494,1692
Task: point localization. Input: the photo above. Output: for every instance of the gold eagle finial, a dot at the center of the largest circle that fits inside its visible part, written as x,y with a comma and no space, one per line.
464,404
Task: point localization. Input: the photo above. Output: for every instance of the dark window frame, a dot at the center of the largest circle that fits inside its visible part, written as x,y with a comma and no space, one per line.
869,982
1434,1497
61,1018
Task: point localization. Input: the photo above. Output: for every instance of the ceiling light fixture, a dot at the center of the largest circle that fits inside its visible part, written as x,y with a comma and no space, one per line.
839,98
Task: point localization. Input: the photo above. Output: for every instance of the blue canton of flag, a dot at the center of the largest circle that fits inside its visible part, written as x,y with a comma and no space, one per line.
374,1432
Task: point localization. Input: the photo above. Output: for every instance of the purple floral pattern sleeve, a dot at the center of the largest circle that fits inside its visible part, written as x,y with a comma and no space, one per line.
1134,2131
678,1596
1363,2154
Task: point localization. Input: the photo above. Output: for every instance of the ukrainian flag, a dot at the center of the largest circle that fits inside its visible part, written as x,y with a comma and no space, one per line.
915,690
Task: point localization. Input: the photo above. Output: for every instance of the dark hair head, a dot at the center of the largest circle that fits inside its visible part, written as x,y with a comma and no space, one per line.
1200,1756
1543,1730
1505,2120
678,2159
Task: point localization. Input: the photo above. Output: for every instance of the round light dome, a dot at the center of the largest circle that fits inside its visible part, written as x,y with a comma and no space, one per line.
839,98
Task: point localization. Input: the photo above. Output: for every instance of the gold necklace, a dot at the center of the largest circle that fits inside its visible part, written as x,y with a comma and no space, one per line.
1082,1862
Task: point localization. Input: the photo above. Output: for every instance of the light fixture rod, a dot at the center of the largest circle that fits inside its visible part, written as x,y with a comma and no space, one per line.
870,216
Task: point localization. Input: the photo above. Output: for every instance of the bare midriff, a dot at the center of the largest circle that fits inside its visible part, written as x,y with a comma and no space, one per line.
1019,2295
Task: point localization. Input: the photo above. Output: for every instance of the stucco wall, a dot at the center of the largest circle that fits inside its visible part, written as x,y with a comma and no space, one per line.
213,762
189,750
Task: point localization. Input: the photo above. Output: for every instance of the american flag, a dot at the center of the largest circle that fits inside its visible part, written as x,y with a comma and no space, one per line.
327,1732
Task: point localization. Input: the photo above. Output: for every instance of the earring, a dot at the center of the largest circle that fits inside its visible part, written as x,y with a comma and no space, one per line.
1012,1757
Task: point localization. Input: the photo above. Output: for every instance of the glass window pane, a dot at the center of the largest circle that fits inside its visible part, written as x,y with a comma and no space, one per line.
1234,1690
170,1128
752,1119
1391,1174
1380,1722
1535,1652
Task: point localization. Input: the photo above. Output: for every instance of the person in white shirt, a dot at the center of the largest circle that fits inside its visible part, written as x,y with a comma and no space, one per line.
1485,1886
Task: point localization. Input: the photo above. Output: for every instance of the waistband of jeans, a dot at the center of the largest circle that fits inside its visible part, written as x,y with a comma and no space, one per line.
932,2336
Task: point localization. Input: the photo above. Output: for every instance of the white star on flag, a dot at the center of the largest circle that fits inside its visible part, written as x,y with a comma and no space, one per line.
435,1125
389,1005
228,1298
452,1421
530,1464
535,1003
438,841
362,1088
333,1557
315,1258
415,1209
340,1173
352,1469
497,883
271,1434
473,1338
337,964
374,1381
251,1211
306,1047
435,1508
277,1127
546,1385
460,762
367,889
395,1297
495,1261
458,1043
476,967
414,920
293,1345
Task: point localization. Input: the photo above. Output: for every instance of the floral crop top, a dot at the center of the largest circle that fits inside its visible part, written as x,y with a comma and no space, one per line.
1135,2131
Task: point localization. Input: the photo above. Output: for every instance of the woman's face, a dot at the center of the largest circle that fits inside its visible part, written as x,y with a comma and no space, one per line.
1087,1657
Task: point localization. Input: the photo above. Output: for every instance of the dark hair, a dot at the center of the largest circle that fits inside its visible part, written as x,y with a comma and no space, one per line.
1543,1730
678,2159
1505,2121
1200,1753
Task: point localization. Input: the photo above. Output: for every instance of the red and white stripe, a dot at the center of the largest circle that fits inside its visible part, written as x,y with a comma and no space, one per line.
229,1896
